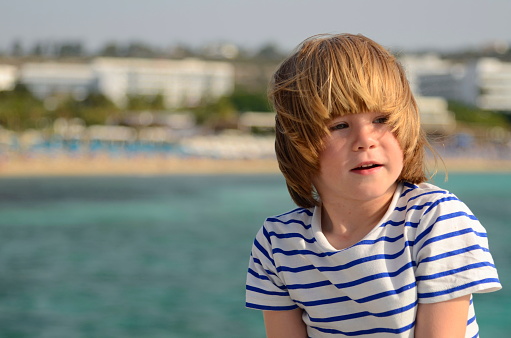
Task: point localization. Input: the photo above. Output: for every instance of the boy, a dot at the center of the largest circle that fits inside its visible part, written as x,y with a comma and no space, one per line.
373,250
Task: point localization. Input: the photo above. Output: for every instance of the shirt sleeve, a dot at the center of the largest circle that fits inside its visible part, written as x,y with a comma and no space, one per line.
264,288
451,253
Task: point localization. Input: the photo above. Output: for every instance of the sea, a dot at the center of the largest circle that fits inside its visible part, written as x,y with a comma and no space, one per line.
166,256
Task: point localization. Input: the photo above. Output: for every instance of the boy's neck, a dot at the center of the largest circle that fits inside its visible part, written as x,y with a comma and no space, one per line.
346,223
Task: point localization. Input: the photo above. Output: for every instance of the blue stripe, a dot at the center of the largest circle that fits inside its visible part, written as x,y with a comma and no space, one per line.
443,218
427,204
454,215
411,187
431,205
258,262
338,267
443,192
266,292
392,223
361,300
386,293
380,239
263,277
297,210
437,202
407,224
290,212
352,283
480,234
458,288
471,320
291,235
413,207
309,285
449,235
364,314
367,332
297,269
375,276
263,251
455,271
364,260
291,221
453,253
271,308
258,276
306,211
266,235
269,272
302,252
324,301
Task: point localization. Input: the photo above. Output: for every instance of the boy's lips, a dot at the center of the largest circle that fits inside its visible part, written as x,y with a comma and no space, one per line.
366,167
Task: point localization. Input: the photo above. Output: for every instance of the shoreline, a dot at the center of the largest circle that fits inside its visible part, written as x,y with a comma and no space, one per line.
102,165
131,166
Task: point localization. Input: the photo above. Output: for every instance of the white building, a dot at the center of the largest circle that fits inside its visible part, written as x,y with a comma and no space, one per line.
8,77
435,117
491,81
485,82
180,82
45,79
429,75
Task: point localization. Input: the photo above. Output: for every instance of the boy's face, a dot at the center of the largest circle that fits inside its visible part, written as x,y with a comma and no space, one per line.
362,160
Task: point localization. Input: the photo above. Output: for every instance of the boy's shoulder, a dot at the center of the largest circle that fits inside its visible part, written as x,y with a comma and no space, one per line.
426,197
296,218
422,191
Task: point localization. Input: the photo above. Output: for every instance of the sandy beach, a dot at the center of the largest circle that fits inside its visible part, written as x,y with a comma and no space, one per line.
18,166
136,165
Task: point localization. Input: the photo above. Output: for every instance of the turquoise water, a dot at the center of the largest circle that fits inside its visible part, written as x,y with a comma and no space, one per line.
167,256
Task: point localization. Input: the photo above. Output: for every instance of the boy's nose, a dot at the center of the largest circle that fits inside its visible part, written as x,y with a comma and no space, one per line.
364,138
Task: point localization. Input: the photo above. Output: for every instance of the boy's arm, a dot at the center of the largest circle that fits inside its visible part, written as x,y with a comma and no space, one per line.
444,319
284,324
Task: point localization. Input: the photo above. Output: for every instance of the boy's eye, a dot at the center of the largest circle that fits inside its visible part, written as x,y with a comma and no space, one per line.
339,126
381,119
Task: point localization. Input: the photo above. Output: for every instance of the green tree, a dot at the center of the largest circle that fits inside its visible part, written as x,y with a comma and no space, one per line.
20,110
70,49
94,109
270,51
140,50
215,113
111,49
37,50
146,102
225,109
17,49
244,100
477,116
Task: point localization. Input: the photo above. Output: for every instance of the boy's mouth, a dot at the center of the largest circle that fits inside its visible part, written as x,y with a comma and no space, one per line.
366,166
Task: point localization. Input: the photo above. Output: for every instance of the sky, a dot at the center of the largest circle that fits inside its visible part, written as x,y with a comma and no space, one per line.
407,25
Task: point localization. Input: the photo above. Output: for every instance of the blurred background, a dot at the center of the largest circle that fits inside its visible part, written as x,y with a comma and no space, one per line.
136,150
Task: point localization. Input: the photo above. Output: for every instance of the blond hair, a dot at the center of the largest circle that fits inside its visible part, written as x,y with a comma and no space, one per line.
335,75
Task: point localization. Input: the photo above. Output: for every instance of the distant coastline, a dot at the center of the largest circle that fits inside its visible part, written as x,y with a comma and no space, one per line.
99,165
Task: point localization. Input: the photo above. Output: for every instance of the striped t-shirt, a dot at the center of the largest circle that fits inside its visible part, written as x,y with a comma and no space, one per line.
427,248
